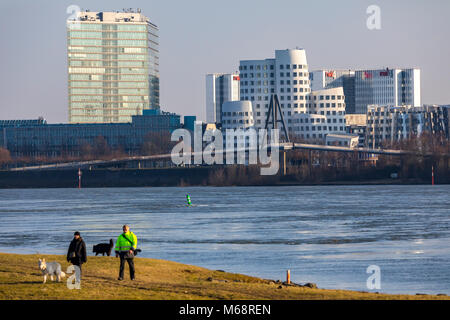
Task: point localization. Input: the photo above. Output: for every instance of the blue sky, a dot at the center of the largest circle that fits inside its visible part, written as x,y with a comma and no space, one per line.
204,36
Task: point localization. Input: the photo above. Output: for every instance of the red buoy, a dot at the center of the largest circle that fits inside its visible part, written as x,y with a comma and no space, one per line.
432,175
79,178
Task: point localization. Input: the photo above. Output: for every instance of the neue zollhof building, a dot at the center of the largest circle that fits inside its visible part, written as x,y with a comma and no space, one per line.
326,115
309,115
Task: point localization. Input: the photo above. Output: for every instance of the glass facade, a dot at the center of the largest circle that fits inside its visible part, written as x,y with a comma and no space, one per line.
113,67
37,138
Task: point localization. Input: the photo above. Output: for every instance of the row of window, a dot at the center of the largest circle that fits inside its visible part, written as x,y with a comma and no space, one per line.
107,35
282,98
308,105
109,85
272,90
271,67
107,105
319,128
111,71
91,52
120,77
106,91
319,120
107,63
103,42
272,75
100,98
289,113
247,121
229,114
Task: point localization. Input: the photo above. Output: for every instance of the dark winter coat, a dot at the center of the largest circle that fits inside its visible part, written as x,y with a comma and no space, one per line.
79,247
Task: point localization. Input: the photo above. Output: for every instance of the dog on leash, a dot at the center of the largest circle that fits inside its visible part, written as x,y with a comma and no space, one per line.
51,269
103,248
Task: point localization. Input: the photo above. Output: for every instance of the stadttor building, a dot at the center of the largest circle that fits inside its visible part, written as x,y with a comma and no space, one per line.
113,66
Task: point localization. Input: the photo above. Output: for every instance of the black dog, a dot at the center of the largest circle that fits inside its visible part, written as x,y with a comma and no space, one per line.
104,248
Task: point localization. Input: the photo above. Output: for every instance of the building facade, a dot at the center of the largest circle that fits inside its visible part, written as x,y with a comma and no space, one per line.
342,140
389,87
113,66
237,115
386,87
388,124
287,76
325,79
326,115
37,138
356,124
220,87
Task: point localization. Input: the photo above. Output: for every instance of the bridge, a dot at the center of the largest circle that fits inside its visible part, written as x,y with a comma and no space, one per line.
283,148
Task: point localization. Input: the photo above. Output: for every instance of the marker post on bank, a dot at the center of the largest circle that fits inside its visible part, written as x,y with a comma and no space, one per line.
79,178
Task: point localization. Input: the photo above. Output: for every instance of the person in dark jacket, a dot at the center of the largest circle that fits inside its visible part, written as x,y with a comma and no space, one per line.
77,251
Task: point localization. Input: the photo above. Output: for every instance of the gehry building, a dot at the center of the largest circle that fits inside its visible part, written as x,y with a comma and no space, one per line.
309,115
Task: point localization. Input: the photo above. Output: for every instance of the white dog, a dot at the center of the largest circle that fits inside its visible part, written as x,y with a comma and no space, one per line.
51,268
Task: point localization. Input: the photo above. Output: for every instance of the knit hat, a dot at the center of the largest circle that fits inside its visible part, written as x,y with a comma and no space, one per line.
76,233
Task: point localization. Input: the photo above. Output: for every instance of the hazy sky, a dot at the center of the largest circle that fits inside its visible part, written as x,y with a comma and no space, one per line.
205,36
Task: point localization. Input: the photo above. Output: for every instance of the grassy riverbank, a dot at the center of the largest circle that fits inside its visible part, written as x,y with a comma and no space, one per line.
20,278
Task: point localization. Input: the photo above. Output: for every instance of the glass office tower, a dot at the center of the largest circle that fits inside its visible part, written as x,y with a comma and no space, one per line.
113,64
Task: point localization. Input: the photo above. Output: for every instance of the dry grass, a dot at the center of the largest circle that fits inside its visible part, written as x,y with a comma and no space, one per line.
156,279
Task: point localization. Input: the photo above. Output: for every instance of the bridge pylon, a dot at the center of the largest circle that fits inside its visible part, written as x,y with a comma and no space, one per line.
272,117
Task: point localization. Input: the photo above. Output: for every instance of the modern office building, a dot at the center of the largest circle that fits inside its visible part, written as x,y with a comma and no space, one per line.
325,79
113,66
38,138
220,87
386,87
287,76
388,124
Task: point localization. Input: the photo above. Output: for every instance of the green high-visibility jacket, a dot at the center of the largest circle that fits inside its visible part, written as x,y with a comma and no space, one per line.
122,244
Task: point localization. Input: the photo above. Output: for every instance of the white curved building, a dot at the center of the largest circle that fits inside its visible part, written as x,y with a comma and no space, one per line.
237,115
326,115
287,76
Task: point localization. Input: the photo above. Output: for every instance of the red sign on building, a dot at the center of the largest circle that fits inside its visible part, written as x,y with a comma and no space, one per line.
384,73
367,75
237,78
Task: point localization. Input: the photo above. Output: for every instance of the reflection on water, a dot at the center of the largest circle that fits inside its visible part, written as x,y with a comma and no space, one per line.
324,234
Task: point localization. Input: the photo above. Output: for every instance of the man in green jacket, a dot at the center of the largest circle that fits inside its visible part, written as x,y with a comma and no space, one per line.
125,246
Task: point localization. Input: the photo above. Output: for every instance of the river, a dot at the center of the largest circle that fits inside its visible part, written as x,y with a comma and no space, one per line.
328,235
